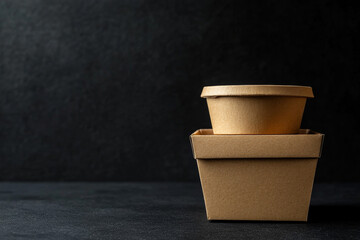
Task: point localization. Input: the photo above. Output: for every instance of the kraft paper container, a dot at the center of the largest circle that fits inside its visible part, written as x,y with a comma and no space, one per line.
257,177
256,109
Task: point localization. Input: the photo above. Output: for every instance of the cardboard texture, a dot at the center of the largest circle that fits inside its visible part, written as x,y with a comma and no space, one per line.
257,177
306,144
256,109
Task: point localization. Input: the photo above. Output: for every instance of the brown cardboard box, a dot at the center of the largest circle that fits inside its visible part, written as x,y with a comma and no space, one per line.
256,109
257,177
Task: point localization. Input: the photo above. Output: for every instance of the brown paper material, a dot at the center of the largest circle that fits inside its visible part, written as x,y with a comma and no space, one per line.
256,109
242,179
306,144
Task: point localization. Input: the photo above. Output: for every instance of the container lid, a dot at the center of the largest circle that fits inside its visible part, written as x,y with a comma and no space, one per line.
257,90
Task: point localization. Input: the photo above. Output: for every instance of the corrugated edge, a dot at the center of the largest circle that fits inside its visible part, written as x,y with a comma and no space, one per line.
202,189
322,145
311,190
257,90
191,143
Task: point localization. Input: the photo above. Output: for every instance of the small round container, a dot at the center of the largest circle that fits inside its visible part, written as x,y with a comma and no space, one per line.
256,109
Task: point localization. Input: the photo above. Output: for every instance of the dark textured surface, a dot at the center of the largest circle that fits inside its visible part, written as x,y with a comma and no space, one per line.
158,211
109,90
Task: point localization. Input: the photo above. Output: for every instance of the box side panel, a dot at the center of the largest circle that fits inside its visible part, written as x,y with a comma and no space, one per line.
310,192
257,146
261,189
203,182
192,146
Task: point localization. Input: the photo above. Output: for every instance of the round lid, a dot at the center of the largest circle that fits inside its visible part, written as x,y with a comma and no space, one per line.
257,90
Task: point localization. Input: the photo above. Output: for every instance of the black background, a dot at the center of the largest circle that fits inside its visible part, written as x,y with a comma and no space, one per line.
110,90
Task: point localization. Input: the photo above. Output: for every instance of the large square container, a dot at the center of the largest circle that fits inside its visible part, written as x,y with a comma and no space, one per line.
257,177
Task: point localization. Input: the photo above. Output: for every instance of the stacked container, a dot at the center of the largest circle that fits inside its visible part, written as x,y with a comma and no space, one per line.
256,163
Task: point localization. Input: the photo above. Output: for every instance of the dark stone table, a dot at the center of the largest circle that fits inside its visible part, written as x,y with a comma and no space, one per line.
158,211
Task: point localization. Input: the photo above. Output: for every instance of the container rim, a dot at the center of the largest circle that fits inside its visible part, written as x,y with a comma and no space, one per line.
257,90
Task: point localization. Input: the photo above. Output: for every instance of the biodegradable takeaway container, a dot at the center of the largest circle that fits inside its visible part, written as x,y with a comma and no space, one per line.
256,109
257,177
